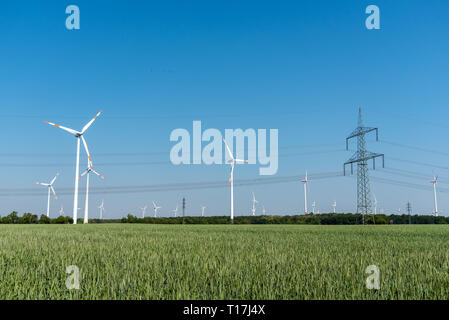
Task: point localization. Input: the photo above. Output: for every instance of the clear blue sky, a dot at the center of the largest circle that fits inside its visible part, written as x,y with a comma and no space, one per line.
303,67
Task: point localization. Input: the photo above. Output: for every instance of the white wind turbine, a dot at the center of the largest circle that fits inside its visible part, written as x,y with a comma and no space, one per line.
156,208
144,209
253,209
434,181
175,211
102,209
78,135
202,211
334,205
61,211
232,161
263,209
305,181
375,204
89,170
313,207
50,187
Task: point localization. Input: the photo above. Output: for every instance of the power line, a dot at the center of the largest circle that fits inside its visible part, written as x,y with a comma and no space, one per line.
415,148
175,186
419,163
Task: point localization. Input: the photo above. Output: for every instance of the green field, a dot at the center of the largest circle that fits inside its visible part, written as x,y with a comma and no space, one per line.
133,261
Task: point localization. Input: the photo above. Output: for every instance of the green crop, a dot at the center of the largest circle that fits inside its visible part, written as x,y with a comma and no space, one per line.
132,261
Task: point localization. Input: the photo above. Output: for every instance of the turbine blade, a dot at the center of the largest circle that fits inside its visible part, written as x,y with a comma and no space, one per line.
63,128
232,171
87,151
54,179
54,193
227,148
98,174
43,184
84,173
90,123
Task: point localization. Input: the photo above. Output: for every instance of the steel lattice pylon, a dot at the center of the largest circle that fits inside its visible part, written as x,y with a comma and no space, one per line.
361,157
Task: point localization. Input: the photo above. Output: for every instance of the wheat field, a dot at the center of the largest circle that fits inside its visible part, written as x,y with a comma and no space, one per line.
136,261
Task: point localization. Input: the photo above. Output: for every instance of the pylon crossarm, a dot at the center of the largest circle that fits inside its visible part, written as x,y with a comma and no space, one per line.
361,131
364,158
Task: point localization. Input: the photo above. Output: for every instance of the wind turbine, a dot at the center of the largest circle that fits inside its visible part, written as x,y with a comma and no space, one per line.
90,169
144,209
263,209
334,206
305,180
253,209
313,207
176,211
50,187
156,208
434,181
232,161
375,204
78,135
61,211
102,209
202,211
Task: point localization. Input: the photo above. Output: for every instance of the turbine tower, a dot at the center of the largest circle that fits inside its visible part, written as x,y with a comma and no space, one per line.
61,211
313,207
253,209
102,209
175,211
361,157
144,209
87,172
434,182
232,161
156,208
202,211
334,205
305,180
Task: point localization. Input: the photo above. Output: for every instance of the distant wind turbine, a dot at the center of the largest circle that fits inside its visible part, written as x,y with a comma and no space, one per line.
102,209
50,188
375,204
253,209
61,211
305,181
175,212
88,171
77,135
156,208
334,205
202,211
263,210
232,161
313,207
434,181
144,209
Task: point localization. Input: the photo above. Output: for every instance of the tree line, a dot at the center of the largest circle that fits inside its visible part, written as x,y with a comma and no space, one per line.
313,219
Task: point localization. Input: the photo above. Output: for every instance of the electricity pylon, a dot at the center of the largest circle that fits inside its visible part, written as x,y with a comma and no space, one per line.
361,157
